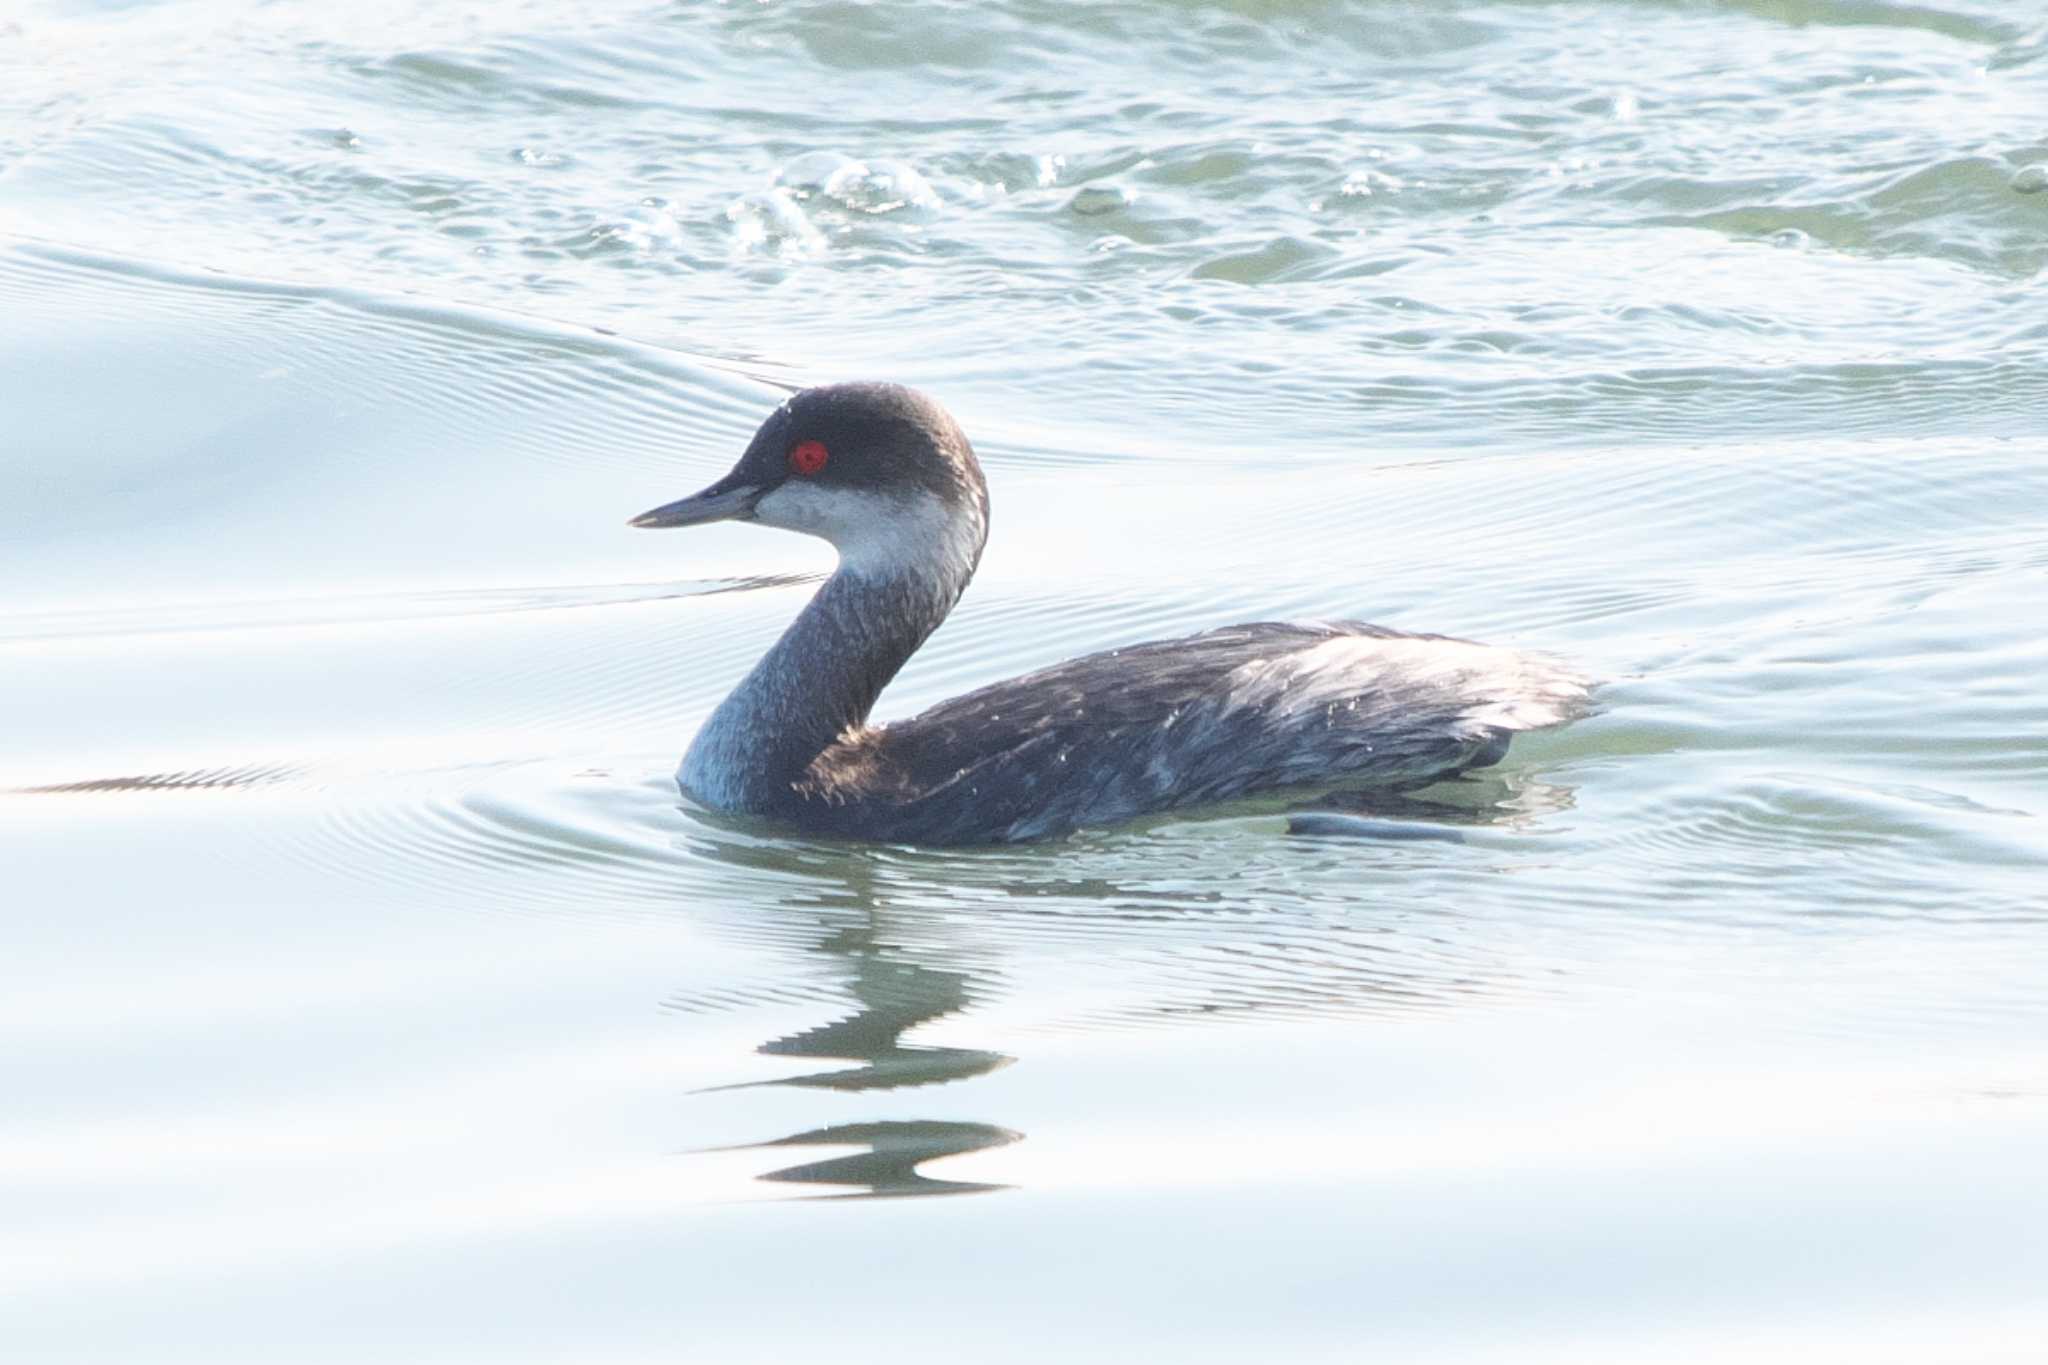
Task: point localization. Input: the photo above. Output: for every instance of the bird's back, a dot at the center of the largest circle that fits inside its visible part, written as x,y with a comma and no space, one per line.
1234,712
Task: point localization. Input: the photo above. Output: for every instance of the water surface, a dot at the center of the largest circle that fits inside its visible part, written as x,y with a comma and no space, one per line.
375,996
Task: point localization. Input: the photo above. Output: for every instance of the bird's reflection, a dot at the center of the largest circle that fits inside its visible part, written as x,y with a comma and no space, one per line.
883,921
888,1168
893,992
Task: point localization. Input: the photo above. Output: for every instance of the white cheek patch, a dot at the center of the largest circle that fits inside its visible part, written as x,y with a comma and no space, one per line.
798,505
876,534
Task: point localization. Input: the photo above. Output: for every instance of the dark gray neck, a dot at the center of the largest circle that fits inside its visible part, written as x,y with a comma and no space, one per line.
819,681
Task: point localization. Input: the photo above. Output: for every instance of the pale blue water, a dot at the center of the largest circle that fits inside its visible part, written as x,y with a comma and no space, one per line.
370,996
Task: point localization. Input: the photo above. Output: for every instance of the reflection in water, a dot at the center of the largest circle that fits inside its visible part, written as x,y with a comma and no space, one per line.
1207,919
1370,814
894,994
889,1166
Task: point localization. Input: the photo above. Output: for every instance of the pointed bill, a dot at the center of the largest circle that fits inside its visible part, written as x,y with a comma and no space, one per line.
727,500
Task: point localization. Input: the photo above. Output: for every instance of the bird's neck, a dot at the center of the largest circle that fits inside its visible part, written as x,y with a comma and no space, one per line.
821,679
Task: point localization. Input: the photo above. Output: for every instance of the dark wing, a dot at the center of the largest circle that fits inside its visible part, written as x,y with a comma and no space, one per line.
1230,712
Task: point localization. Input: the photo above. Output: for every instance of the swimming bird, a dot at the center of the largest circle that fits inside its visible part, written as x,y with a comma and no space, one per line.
885,475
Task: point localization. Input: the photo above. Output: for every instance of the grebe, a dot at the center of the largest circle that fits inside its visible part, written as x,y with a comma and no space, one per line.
885,475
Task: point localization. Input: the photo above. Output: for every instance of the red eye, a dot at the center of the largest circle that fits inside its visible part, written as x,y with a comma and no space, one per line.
807,457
